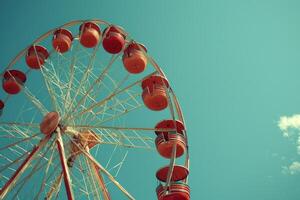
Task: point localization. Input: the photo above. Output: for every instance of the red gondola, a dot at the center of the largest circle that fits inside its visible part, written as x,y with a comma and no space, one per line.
176,191
179,173
134,59
36,56
114,40
13,80
166,139
1,107
62,40
154,92
164,145
89,34
169,124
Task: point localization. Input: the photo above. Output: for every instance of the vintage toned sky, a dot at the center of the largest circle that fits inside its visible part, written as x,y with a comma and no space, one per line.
234,66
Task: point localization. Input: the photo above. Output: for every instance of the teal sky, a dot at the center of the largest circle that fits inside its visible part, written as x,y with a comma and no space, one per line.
234,66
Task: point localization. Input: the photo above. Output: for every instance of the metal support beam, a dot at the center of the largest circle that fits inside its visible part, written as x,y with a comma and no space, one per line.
67,179
100,180
22,167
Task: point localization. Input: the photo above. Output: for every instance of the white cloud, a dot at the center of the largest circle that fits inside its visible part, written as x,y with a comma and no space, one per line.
285,123
294,168
290,126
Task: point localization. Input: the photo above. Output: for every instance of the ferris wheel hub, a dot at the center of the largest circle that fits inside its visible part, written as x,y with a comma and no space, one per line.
50,122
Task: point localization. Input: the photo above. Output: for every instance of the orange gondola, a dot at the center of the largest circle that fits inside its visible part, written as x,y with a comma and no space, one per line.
165,140
164,145
154,92
90,34
62,40
134,59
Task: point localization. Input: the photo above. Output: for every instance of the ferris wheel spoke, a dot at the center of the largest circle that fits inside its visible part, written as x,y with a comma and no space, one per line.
130,142
54,187
62,97
98,80
117,166
84,76
72,74
24,181
35,101
52,183
130,146
121,128
19,141
123,105
77,184
126,140
15,133
35,169
53,75
53,101
102,185
18,150
88,176
112,179
50,91
95,173
118,102
84,178
11,162
106,109
20,185
116,86
45,179
22,167
101,168
91,176
113,94
35,125
120,114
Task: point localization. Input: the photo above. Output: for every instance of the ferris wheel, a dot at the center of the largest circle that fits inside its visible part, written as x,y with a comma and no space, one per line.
74,103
